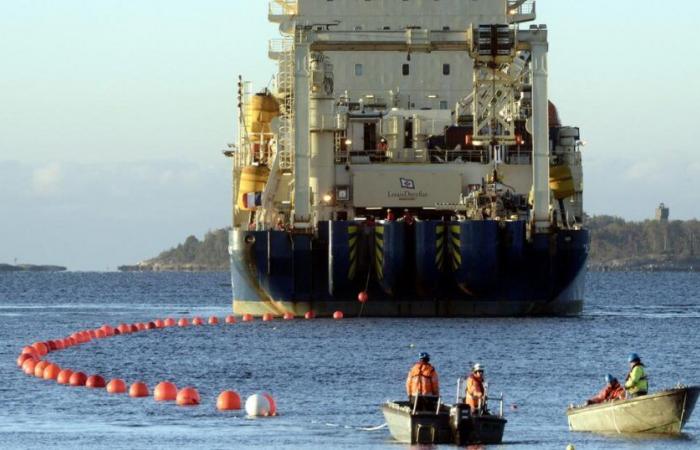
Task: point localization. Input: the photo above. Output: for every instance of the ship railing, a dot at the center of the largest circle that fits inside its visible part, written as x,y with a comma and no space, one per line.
282,9
522,10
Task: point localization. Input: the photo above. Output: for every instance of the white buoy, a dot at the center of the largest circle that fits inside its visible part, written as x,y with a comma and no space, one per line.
257,405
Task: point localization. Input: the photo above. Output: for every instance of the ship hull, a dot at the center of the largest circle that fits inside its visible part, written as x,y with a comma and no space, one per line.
430,269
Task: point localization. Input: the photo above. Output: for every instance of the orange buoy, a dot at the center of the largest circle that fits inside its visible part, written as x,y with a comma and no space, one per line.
230,319
213,320
309,315
338,315
169,322
100,334
151,326
228,401
247,318
29,350
138,389
141,326
362,297
92,333
71,341
116,386
60,345
51,371
41,348
165,391
267,317
273,405
197,321
288,316
187,397
51,345
159,323
183,322
134,328
39,368
95,382
124,328
64,376
29,365
109,331
23,357
77,379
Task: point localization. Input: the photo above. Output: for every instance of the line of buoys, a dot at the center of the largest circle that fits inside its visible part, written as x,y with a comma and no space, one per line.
116,386
95,382
183,322
39,368
288,316
309,315
165,391
159,323
247,318
228,401
187,396
64,376
267,317
77,379
51,372
138,389
197,321
230,320
23,357
169,322
213,320
338,315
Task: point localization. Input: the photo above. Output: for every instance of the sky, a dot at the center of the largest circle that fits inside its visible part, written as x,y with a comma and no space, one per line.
113,115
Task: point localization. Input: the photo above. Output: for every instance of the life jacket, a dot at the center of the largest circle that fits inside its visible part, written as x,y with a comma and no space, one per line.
616,392
636,380
475,392
422,380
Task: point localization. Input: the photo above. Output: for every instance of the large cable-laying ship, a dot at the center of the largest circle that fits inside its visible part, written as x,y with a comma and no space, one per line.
406,151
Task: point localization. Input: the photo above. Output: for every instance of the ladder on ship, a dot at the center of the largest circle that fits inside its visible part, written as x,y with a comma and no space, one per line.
285,88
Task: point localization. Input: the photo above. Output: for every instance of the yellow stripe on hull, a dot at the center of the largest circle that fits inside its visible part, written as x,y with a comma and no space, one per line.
277,308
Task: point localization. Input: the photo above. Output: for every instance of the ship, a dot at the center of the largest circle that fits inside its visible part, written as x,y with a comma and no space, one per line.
406,161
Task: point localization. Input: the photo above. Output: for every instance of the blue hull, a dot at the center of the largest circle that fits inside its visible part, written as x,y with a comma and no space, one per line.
432,268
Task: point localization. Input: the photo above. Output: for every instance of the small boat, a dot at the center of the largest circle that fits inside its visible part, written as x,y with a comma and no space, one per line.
664,412
443,423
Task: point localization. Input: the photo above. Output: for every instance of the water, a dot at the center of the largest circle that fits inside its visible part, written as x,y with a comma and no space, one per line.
328,377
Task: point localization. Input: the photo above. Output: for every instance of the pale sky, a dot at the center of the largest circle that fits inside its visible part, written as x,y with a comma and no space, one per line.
113,115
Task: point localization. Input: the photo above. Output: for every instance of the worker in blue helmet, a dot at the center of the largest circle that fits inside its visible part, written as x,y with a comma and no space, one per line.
422,385
612,391
636,382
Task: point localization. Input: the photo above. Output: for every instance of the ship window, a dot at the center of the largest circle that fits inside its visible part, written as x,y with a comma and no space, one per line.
445,69
405,69
443,104
358,70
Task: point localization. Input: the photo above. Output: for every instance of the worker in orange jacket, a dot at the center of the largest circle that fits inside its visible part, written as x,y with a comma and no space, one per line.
613,390
476,393
422,380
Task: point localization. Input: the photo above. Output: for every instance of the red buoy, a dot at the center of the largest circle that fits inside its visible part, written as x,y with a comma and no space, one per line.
109,331
23,357
228,401
197,321
60,344
95,382
288,316
362,297
273,405
29,365
51,372
64,376
169,322
100,334
151,326
29,350
39,368
159,323
213,320
135,328
92,334
165,391
77,379
138,389
247,318
230,319
183,322
188,397
41,348
338,315
116,386
267,317
124,328
309,315
51,345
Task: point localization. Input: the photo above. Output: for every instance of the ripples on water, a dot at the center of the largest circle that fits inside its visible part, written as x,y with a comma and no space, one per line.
329,377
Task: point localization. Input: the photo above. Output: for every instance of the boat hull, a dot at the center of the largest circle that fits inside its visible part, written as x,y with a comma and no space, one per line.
427,427
665,412
430,269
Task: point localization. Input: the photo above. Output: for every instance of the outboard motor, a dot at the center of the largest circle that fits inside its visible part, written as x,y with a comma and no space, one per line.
460,423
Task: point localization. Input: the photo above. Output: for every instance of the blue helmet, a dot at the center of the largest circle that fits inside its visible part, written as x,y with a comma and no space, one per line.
610,379
424,356
633,357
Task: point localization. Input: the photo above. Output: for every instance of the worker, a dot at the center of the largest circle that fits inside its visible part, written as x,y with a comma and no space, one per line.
636,382
422,385
475,395
612,391
408,217
390,217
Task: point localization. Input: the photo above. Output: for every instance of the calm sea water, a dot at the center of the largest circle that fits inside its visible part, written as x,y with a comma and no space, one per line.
329,377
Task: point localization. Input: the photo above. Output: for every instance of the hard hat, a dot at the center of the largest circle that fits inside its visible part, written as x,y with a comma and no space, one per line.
633,357
609,379
477,368
424,356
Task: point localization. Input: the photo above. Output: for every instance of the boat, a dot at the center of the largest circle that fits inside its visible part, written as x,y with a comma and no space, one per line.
406,155
447,424
665,412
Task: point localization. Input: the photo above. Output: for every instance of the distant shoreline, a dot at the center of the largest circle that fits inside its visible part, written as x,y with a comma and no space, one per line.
31,268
